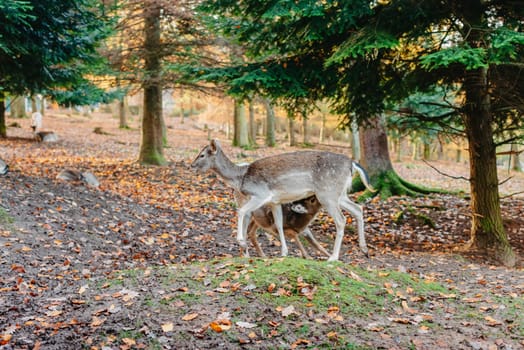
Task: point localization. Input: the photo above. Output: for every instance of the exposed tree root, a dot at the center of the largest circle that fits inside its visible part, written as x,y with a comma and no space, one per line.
388,184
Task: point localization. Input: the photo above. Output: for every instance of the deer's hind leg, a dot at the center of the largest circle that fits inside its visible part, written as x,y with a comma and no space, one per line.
357,212
333,209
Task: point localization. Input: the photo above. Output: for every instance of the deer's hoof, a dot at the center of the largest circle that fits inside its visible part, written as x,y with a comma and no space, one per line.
365,251
284,252
333,258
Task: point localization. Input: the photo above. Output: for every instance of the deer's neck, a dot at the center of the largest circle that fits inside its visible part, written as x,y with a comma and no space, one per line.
231,173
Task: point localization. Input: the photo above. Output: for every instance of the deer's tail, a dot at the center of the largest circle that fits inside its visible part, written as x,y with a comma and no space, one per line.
363,175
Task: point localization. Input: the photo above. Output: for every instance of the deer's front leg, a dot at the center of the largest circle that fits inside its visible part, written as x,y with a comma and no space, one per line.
244,216
277,216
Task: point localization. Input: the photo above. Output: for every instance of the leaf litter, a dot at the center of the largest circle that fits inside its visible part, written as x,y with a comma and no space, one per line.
89,267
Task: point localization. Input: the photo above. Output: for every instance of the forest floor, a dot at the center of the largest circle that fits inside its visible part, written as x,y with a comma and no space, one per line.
147,259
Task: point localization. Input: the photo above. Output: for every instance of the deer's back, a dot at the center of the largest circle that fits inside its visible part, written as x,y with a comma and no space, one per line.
297,174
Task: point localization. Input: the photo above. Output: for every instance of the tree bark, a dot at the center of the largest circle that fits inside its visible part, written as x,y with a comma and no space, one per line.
18,107
322,133
305,133
3,128
516,164
123,110
375,158
487,230
151,147
291,130
252,124
270,124
240,133
374,152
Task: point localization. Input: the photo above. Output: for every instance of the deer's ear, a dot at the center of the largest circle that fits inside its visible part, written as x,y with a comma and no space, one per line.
215,145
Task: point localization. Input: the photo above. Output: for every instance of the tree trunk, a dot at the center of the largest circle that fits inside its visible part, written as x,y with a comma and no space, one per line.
34,106
374,150
240,133
151,147
18,107
305,134
322,134
426,151
270,124
516,164
487,230
3,128
252,124
291,131
123,111
374,157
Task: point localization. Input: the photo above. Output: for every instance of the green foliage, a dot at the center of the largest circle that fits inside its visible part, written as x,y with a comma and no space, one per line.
470,58
365,56
49,44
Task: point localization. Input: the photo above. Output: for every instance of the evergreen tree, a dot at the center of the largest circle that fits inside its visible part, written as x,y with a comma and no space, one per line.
366,54
47,47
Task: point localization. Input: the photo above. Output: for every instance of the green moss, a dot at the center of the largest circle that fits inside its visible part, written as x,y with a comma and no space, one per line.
6,221
152,158
388,184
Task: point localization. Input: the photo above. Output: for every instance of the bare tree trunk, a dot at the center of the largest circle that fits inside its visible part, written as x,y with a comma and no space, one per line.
123,111
18,107
374,148
34,107
516,164
426,151
487,230
305,133
3,128
291,131
240,132
43,106
322,135
152,147
270,124
252,124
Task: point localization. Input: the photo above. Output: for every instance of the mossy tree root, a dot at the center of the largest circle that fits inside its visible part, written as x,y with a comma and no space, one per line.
389,183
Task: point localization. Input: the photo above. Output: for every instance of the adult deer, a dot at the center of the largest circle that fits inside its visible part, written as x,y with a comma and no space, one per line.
286,178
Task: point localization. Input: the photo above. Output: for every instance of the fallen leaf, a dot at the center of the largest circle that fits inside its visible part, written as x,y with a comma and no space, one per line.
399,320
288,311
5,338
97,321
298,342
167,327
216,327
83,289
492,322
190,316
248,325
129,341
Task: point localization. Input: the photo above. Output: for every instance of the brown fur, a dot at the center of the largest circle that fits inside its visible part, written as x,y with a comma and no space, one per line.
295,224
